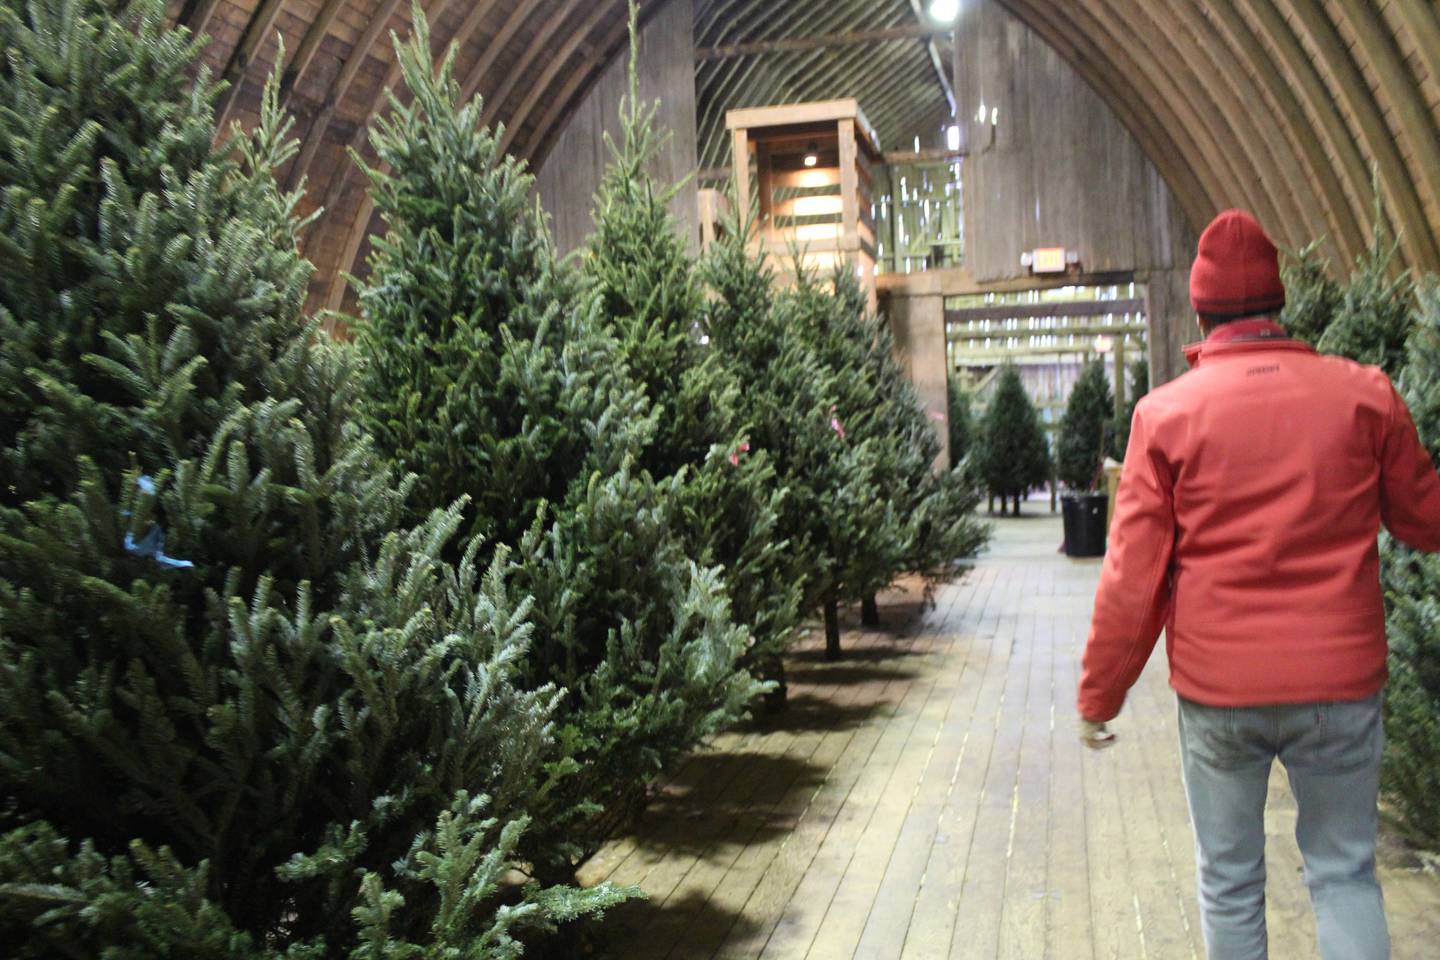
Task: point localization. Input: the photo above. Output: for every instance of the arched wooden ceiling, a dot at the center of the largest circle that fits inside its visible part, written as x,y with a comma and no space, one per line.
1290,107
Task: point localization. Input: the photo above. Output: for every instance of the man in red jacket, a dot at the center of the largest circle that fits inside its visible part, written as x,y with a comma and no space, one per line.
1246,527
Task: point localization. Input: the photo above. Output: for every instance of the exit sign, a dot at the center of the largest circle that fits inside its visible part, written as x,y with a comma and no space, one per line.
1049,260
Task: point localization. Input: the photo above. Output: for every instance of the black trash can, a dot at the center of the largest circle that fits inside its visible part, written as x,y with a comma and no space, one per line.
1085,525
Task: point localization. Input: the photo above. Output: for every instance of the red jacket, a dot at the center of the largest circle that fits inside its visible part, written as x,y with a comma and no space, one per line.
1246,525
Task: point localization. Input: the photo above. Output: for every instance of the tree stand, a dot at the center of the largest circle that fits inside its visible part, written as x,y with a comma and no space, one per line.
869,611
774,672
832,630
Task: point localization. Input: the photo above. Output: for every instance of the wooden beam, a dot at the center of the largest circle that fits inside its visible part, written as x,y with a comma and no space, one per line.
741,166
1422,19
1402,93
892,158
1351,86
1347,236
545,38
825,42
195,15
315,34
1315,94
256,30
959,282
936,62
849,184
1003,354
1262,142
537,146
1040,311
1160,73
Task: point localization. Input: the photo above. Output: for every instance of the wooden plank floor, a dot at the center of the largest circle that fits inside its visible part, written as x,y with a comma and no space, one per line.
927,798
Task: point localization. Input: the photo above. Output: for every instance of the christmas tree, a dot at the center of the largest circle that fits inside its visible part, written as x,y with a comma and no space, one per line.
1312,296
1015,456
1119,432
935,506
864,531
1412,589
652,300
244,712
1365,319
788,400
1375,313
961,422
1081,445
490,374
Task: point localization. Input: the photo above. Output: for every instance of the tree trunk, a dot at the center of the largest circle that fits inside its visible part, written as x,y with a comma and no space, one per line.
869,611
774,671
832,630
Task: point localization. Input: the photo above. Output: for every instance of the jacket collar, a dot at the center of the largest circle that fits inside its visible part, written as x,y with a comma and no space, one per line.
1241,335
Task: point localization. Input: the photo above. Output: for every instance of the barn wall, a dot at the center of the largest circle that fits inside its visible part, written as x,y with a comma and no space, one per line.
571,172
1060,169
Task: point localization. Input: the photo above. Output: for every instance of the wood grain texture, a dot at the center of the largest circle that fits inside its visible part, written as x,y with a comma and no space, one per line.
1060,170
929,798
570,175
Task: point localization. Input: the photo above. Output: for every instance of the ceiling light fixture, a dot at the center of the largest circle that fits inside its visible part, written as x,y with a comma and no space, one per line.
810,156
944,11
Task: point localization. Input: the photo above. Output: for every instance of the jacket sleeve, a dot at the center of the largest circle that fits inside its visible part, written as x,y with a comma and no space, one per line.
1409,486
1134,597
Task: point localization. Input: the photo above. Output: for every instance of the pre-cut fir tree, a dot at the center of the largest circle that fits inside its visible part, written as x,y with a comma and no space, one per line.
652,301
245,711
491,375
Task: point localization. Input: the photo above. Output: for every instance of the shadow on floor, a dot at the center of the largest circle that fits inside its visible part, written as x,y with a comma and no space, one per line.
804,712
686,927
857,653
723,802
846,673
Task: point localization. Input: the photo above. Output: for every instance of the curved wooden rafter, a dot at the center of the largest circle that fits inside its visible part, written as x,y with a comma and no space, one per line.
537,145
1263,144
1416,123
1345,227
233,73
1395,181
337,90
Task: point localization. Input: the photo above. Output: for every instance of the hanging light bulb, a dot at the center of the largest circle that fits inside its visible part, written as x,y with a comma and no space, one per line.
811,157
944,11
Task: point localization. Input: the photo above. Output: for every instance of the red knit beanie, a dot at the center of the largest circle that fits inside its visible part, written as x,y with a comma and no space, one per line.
1237,270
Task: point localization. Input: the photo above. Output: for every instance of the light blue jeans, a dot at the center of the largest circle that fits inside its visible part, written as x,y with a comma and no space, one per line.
1331,752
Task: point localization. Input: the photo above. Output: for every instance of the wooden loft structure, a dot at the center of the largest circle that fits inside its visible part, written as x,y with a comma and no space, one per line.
1282,106
810,168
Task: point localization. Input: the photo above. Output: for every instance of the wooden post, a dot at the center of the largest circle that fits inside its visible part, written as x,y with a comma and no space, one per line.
765,184
741,140
849,192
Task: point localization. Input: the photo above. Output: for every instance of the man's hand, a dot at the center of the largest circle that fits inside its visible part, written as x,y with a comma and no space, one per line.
1095,736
